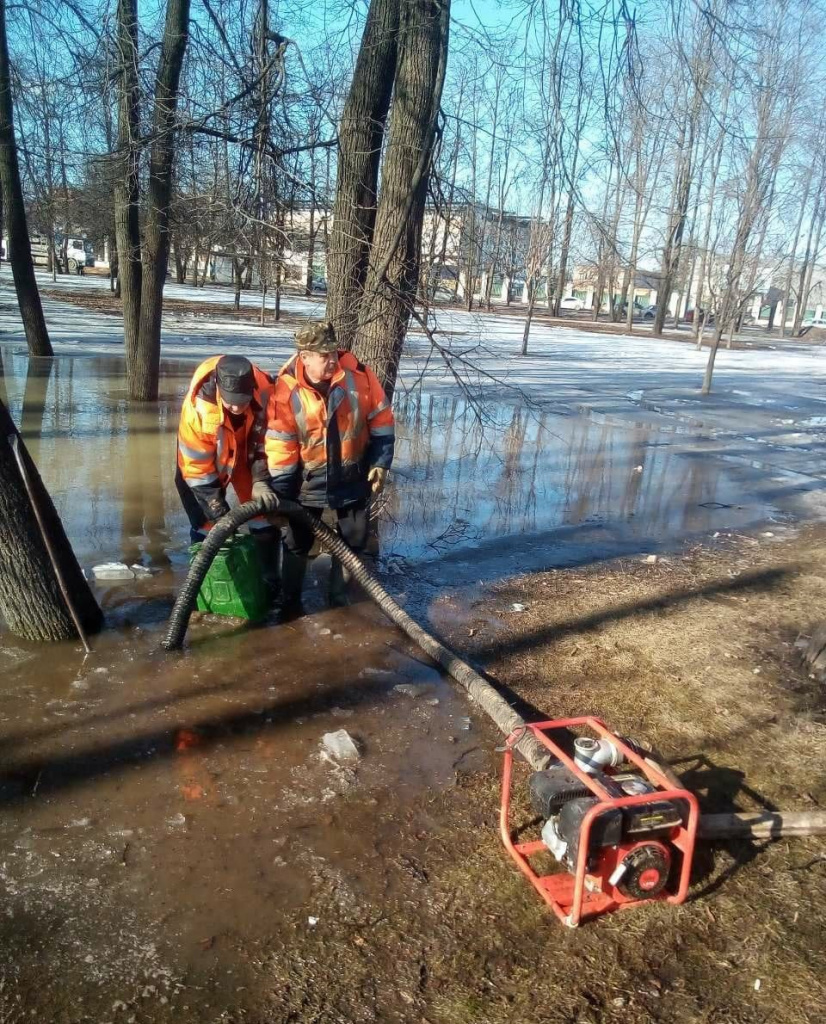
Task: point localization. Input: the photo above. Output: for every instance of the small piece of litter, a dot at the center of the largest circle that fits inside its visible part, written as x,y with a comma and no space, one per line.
652,559
433,702
768,533
340,745
112,571
757,984
176,821
140,571
756,671
517,607
338,636
638,469
312,921
325,632
715,535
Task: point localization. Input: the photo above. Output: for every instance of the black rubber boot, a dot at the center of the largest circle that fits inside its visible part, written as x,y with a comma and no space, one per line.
338,592
268,544
293,571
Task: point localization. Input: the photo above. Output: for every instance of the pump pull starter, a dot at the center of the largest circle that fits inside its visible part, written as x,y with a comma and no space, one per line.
622,834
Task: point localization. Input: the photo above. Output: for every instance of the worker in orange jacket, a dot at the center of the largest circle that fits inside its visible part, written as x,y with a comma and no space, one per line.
221,442
329,444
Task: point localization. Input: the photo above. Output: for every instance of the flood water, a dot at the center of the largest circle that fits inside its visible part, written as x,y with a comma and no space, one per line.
176,796
465,480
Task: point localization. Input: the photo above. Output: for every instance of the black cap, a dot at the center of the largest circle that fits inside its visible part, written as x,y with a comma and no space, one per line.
236,381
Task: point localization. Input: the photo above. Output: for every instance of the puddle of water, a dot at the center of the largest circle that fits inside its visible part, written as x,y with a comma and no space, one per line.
462,484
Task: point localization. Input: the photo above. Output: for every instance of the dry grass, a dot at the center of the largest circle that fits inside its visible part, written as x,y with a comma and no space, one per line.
668,653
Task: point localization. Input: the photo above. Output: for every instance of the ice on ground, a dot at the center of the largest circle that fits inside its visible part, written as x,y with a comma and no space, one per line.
340,746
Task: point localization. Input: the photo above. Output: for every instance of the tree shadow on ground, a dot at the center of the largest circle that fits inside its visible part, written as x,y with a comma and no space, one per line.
63,771
758,579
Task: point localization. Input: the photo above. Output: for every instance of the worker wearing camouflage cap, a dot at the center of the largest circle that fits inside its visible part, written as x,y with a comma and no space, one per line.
329,444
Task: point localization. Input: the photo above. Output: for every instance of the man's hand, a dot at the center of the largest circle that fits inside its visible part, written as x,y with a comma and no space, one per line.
376,478
262,492
216,509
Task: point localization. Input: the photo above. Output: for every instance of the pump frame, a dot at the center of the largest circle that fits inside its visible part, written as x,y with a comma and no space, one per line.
579,896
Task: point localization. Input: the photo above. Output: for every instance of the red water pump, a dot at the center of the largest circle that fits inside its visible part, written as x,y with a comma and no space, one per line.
621,832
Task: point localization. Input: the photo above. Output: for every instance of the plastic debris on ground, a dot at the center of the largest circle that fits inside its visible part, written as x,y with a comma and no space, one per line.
112,571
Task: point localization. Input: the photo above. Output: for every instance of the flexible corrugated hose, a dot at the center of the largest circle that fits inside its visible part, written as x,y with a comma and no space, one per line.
478,689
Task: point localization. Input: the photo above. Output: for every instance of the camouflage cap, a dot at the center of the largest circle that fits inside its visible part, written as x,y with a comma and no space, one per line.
319,336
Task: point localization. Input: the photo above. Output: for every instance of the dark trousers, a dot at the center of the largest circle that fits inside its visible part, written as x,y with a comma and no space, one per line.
352,526
194,512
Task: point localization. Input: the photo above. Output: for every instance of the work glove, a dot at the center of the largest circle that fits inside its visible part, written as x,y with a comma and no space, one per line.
376,478
262,492
217,508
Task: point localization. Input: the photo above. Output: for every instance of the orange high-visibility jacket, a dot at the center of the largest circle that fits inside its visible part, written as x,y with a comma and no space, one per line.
212,451
320,451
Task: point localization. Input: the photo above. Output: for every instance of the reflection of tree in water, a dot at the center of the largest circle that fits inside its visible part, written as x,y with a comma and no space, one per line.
38,378
463,479
4,396
148,461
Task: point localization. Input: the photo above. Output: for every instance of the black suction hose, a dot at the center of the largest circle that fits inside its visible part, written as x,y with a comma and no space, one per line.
478,689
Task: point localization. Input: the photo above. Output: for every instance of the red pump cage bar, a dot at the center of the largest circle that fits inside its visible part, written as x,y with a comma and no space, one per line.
577,897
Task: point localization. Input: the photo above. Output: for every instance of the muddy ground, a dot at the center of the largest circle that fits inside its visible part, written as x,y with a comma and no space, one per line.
212,868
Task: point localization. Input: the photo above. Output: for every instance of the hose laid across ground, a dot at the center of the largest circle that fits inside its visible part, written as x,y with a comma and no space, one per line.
478,689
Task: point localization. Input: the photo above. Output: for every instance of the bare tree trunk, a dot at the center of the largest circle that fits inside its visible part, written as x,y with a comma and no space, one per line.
798,228
676,227
143,362
807,266
126,191
30,598
393,273
567,231
20,255
236,278
361,133
716,159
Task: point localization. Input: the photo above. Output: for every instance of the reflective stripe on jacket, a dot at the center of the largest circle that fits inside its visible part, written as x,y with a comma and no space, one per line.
320,451
211,450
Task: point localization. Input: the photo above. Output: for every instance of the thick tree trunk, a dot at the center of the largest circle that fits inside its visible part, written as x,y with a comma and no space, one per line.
126,191
393,273
30,597
360,142
20,255
143,362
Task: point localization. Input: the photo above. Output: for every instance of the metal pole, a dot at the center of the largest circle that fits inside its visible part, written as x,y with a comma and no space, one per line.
14,442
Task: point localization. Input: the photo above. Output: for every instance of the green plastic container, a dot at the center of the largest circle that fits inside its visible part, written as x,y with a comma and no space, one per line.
234,585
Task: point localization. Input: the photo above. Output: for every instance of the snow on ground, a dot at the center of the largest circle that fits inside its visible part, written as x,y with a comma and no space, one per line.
563,362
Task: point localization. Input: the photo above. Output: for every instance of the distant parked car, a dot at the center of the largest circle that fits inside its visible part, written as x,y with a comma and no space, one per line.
649,313
319,286
690,314
571,302
815,321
